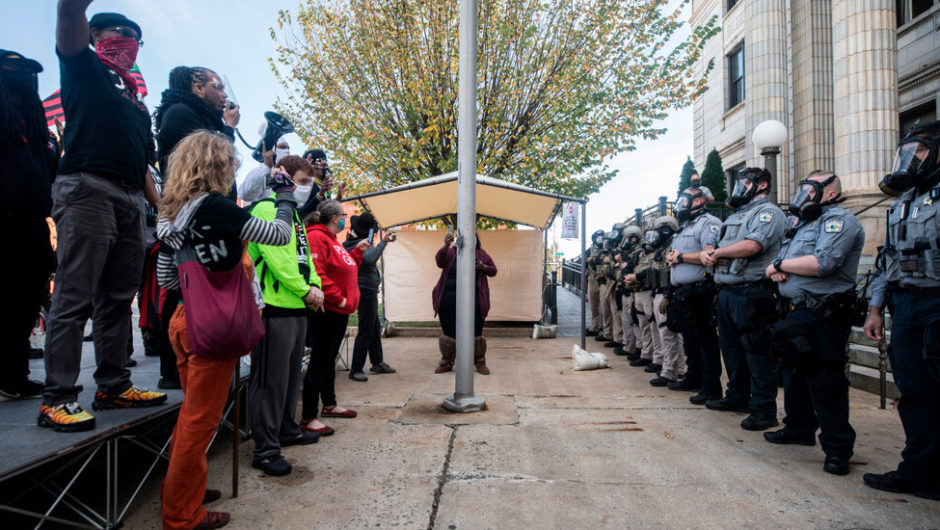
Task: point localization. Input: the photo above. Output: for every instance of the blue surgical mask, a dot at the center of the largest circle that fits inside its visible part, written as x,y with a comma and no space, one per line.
342,223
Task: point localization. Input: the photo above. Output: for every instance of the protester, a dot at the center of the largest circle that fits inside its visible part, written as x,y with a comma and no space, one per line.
195,100
196,213
254,185
444,298
369,334
29,164
289,284
98,208
337,270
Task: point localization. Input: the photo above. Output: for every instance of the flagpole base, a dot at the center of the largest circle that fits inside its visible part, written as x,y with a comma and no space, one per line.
454,403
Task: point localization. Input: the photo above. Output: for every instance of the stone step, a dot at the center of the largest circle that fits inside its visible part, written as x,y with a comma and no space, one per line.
867,379
865,356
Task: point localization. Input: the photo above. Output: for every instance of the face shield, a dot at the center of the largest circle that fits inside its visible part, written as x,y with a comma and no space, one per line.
651,237
915,163
685,205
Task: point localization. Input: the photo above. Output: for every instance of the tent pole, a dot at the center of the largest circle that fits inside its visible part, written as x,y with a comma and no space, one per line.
583,272
463,399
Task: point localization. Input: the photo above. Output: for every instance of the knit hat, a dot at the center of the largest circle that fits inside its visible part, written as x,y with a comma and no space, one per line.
361,224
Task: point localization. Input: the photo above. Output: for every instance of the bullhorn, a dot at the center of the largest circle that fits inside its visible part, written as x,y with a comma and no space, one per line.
275,127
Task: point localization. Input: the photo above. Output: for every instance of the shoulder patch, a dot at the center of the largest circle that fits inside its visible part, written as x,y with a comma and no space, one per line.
713,228
834,225
765,217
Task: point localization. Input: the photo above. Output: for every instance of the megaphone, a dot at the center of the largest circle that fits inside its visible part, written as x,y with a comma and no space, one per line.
276,127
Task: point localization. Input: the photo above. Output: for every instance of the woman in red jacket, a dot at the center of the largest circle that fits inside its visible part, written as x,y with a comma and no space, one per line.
339,272
444,298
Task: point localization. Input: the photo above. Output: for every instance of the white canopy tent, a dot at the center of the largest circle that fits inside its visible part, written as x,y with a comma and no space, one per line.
436,197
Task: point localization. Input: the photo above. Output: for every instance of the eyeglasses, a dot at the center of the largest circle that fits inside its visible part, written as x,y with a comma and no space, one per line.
126,32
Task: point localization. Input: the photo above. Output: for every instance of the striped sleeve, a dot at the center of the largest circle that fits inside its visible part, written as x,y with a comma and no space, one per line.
274,233
167,276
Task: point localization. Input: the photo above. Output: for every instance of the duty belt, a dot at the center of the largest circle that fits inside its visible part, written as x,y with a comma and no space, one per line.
895,287
745,285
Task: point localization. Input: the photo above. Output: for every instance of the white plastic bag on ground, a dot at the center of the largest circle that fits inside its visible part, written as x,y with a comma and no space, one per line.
582,360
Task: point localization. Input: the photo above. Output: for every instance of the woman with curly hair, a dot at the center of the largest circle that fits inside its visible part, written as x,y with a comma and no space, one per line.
194,212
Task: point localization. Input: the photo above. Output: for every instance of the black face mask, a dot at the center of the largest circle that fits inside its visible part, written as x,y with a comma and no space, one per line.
806,203
915,164
742,193
22,83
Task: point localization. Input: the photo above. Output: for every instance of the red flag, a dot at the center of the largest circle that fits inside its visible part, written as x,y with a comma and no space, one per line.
53,107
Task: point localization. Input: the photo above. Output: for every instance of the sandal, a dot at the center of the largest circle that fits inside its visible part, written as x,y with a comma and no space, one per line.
331,413
307,425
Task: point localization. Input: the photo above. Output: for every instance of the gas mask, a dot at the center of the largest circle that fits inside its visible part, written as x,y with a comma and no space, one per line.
746,186
806,204
684,210
657,237
598,238
915,164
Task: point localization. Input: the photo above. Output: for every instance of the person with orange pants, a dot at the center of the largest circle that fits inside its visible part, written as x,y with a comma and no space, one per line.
195,212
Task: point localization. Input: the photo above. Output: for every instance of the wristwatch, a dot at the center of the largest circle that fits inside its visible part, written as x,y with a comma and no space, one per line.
776,263
679,258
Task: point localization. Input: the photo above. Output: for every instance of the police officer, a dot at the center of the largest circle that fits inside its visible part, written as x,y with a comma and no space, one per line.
740,252
673,363
693,297
630,249
611,303
591,259
909,284
604,262
816,271
640,282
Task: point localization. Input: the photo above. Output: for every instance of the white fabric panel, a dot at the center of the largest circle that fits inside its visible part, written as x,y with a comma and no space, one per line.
515,291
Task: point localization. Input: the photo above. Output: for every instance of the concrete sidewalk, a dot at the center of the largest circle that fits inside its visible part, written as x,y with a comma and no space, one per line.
555,449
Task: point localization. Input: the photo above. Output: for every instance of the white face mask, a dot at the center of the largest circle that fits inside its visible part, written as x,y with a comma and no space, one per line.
302,193
280,153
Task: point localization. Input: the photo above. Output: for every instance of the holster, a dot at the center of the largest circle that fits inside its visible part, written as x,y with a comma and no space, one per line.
791,340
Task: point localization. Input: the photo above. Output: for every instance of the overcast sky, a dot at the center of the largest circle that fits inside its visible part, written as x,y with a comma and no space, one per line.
232,37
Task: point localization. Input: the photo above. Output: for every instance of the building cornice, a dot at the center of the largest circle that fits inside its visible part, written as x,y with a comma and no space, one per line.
920,78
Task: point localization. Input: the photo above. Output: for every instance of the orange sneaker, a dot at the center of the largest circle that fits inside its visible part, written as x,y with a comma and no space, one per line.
67,417
132,397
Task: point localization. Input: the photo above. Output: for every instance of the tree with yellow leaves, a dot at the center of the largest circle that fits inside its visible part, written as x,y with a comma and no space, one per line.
563,85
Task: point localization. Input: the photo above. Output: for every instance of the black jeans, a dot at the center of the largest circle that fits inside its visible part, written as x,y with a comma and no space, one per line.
327,330
27,286
447,314
816,394
694,305
745,314
920,391
369,335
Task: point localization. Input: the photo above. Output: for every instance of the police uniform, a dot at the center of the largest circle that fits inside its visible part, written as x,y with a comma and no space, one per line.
593,289
670,342
811,340
693,303
606,330
631,331
612,273
746,306
651,349
909,285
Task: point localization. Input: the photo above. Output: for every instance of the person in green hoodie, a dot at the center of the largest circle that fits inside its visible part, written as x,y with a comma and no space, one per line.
289,285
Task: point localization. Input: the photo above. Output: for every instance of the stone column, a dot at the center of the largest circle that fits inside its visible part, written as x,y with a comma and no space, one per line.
812,107
864,36
765,81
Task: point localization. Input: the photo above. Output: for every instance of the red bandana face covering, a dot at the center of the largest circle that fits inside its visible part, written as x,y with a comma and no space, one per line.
119,54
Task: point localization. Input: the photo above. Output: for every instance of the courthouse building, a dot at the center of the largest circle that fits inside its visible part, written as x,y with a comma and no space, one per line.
846,77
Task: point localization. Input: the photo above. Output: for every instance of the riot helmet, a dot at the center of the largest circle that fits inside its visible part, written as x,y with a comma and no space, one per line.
747,185
661,230
612,239
915,161
597,238
632,235
808,202
686,210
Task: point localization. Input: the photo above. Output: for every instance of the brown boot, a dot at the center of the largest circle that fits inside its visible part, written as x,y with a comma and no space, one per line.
479,355
448,348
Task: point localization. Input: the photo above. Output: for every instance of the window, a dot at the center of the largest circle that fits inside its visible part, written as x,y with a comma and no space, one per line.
908,10
736,76
731,4
925,113
730,173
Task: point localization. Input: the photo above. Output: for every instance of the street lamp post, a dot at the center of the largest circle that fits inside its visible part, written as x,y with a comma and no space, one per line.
768,136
